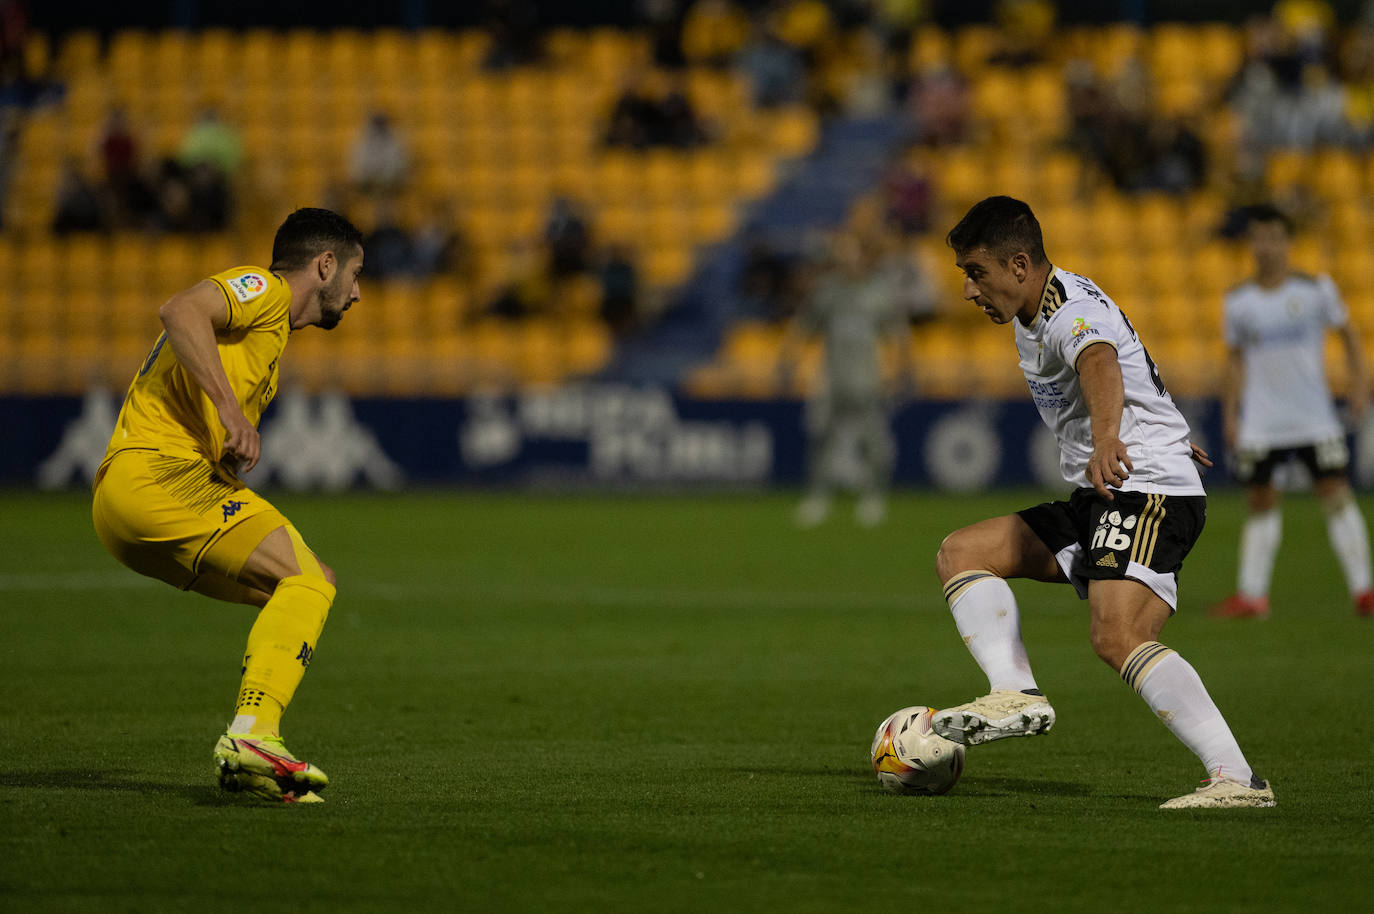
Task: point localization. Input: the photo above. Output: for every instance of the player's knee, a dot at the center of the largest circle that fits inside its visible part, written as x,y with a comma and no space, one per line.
1111,646
329,575
1334,494
955,555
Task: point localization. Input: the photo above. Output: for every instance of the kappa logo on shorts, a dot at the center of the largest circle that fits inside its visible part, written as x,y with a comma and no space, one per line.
1111,532
305,654
247,286
230,508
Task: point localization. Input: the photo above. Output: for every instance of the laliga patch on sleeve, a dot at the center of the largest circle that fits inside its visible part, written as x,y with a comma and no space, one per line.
247,286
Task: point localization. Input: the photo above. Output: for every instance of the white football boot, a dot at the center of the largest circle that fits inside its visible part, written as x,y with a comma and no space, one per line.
998,715
1222,792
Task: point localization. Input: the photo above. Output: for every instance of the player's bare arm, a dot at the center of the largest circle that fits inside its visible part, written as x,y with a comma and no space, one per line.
1230,395
1099,375
1357,391
190,319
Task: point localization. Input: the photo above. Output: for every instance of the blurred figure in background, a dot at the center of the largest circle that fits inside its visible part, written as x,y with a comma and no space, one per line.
212,142
1277,408
619,289
378,164
78,206
854,307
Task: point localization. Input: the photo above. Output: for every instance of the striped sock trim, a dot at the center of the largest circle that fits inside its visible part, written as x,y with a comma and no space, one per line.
955,586
1141,661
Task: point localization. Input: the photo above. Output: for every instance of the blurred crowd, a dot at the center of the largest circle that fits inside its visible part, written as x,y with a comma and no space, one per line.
1304,83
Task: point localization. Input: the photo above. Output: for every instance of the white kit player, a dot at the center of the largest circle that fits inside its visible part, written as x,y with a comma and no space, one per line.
1277,408
1120,538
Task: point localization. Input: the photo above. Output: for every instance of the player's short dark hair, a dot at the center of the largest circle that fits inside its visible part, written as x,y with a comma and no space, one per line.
309,232
1004,226
1267,213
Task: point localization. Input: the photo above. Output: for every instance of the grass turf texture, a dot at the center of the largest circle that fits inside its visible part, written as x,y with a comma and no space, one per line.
574,703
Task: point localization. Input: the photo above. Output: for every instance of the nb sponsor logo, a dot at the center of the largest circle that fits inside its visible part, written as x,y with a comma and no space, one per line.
1112,532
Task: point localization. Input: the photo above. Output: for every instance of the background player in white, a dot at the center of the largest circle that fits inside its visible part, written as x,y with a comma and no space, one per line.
1277,407
855,306
1121,537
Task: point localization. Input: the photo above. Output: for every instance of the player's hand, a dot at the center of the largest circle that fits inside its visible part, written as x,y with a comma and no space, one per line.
242,445
1109,465
1199,455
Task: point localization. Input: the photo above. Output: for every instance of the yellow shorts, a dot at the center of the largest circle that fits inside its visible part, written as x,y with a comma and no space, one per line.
163,514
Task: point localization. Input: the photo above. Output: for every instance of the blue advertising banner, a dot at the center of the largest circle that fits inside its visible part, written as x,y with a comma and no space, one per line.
586,435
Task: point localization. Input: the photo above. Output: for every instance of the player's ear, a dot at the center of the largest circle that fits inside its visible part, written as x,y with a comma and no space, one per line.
1020,265
326,264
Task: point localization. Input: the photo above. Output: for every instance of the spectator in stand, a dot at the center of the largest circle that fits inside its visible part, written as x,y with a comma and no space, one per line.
437,247
567,238
379,163
78,206
1178,157
14,34
769,279
907,198
213,142
940,105
515,34
117,150
387,249
619,290
774,68
651,112
525,290
663,19
679,127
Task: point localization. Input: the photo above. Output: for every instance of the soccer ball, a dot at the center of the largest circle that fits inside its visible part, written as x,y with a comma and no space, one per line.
911,758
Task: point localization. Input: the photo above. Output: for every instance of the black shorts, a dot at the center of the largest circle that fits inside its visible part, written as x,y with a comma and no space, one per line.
1140,536
1323,459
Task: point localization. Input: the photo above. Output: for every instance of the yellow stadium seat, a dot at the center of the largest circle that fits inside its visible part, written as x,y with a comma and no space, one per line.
754,175
39,266
794,131
588,347
712,222
494,351
620,178
1337,174
669,265
471,48
1222,51
930,47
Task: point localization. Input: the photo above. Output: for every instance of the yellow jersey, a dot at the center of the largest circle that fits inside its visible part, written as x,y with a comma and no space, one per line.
165,409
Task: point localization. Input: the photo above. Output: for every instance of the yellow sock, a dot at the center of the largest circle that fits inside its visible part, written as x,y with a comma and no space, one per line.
280,646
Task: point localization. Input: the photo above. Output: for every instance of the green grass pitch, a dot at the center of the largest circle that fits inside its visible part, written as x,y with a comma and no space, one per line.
573,703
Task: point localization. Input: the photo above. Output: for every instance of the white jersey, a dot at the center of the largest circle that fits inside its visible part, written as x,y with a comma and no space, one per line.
1282,332
1075,314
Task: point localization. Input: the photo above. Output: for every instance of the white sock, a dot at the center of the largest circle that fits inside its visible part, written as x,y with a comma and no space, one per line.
1350,540
243,723
985,612
1259,543
1174,691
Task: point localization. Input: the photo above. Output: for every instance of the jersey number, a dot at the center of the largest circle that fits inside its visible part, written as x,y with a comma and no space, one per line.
1154,370
152,356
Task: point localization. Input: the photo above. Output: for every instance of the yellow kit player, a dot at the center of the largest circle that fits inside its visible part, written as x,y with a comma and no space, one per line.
168,499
